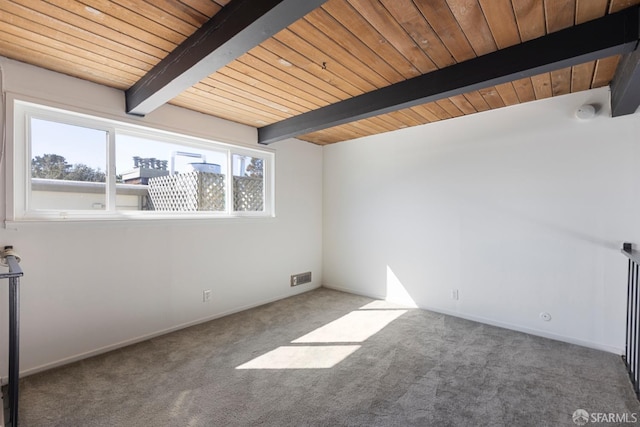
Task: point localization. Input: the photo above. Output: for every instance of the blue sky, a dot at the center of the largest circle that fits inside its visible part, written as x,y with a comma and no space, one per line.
89,146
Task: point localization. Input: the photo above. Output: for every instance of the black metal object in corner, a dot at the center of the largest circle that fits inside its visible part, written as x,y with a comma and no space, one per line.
14,274
632,341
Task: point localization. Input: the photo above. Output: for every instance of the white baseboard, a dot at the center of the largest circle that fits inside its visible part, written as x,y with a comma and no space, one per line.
115,346
355,292
493,322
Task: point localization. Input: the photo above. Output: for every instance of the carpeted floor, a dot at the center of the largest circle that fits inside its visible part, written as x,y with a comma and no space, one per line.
326,358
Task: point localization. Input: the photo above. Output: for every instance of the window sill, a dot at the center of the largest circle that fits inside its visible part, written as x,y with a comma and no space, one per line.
144,218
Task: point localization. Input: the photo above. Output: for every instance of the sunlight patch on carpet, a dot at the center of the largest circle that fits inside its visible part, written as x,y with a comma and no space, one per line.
302,357
357,326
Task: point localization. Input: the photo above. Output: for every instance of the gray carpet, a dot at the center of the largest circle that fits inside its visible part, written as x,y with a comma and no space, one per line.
421,369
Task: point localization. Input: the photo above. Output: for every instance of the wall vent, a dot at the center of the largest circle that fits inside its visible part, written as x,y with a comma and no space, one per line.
299,279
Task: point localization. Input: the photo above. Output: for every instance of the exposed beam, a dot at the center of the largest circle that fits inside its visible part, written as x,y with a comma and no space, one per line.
237,28
610,35
625,86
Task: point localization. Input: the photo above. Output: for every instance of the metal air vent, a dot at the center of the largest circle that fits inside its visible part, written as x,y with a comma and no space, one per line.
299,279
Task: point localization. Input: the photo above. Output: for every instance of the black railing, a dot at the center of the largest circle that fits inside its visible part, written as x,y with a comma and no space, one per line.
632,342
15,272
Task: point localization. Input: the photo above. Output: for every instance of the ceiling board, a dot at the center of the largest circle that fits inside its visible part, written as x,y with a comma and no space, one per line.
449,107
555,52
316,60
559,14
394,33
343,49
473,23
542,86
441,19
115,18
604,71
508,93
428,116
524,89
561,81
282,56
229,34
586,10
618,5
492,97
425,41
463,104
502,23
476,99
346,41
530,19
205,8
582,76
349,18
351,67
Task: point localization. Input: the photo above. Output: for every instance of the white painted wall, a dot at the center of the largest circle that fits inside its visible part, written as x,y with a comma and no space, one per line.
522,210
92,286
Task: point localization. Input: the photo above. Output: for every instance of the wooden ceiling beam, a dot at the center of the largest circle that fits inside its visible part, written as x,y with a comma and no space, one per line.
237,28
612,34
625,86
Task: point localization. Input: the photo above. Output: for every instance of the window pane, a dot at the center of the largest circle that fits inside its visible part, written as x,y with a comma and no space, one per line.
168,177
248,183
68,165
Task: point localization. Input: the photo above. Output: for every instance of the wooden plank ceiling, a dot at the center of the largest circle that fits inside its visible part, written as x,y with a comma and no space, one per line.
343,49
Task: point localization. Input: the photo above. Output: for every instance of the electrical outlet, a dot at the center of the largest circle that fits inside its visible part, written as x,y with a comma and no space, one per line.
206,295
454,294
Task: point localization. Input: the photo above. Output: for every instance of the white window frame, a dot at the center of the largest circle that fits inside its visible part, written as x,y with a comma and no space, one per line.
18,160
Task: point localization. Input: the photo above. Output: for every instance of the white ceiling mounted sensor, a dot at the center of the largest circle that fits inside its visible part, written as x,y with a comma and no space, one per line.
586,112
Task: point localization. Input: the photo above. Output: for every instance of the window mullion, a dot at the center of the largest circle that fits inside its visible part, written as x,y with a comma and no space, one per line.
229,186
111,170
269,184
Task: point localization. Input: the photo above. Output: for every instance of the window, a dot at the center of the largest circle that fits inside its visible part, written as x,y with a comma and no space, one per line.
73,166
248,183
175,177
68,166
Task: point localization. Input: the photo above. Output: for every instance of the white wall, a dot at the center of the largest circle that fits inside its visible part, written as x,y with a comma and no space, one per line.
523,210
93,286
